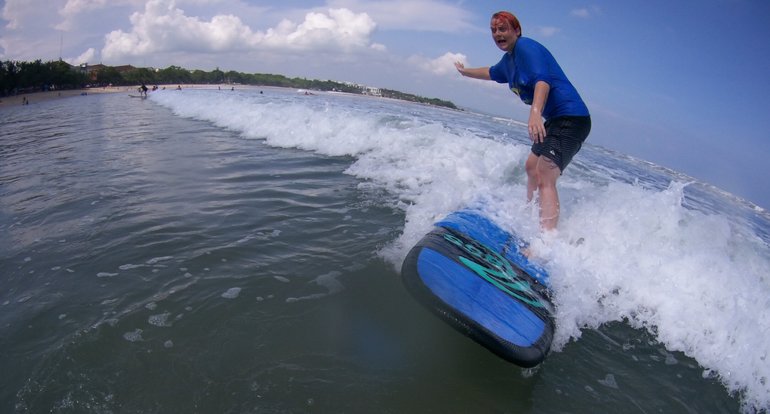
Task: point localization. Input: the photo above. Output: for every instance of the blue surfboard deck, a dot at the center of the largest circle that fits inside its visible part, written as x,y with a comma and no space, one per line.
473,275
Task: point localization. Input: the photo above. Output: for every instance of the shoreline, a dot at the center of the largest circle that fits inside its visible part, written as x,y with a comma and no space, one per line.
23,99
37,97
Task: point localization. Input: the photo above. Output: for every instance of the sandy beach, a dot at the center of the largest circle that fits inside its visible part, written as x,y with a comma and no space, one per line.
37,97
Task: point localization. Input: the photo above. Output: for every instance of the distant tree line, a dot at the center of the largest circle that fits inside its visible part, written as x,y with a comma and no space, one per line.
21,77
388,93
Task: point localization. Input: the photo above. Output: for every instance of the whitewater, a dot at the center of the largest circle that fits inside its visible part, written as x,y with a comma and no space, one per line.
658,250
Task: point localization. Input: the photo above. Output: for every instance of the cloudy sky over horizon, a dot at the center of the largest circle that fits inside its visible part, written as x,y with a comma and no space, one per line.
682,84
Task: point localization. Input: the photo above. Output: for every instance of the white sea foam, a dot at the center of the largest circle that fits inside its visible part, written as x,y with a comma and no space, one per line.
231,293
282,279
328,281
609,381
156,260
160,319
696,280
133,336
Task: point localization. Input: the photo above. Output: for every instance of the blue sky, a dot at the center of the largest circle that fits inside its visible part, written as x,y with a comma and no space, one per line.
680,83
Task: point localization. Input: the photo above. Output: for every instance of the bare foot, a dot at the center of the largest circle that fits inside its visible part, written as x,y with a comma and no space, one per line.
528,252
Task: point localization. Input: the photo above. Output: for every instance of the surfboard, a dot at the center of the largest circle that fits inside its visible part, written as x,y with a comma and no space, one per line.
473,275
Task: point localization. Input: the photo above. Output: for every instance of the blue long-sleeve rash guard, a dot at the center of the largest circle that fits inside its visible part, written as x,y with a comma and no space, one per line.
530,62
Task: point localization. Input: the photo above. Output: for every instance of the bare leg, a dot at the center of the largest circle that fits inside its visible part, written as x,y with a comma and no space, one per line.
548,172
532,180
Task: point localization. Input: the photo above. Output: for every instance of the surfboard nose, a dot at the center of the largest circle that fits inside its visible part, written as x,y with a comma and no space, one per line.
461,272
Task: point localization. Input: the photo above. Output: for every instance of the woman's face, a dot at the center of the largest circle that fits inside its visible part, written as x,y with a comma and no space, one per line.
503,34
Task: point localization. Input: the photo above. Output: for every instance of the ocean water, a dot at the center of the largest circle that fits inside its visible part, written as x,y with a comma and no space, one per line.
206,251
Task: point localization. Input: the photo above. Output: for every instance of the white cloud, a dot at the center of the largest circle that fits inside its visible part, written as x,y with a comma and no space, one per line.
341,28
442,65
18,13
586,12
74,8
546,31
583,13
417,15
85,57
164,28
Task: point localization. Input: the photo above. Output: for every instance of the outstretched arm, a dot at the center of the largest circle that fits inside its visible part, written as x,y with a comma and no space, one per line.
476,73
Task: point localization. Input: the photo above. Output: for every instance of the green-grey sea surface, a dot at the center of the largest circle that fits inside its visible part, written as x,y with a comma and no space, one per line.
156,262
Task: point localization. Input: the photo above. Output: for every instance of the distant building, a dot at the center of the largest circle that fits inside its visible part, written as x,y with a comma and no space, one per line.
92,70
369,90
366,90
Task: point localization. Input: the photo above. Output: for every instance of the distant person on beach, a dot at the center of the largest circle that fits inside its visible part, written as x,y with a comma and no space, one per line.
533,74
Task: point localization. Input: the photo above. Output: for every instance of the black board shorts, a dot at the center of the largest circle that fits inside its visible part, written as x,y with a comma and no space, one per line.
564,135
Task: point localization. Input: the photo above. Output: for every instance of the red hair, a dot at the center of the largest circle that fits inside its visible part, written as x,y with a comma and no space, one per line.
507,17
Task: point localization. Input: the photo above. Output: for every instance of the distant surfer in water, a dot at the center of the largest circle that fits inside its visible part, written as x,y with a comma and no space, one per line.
533,74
